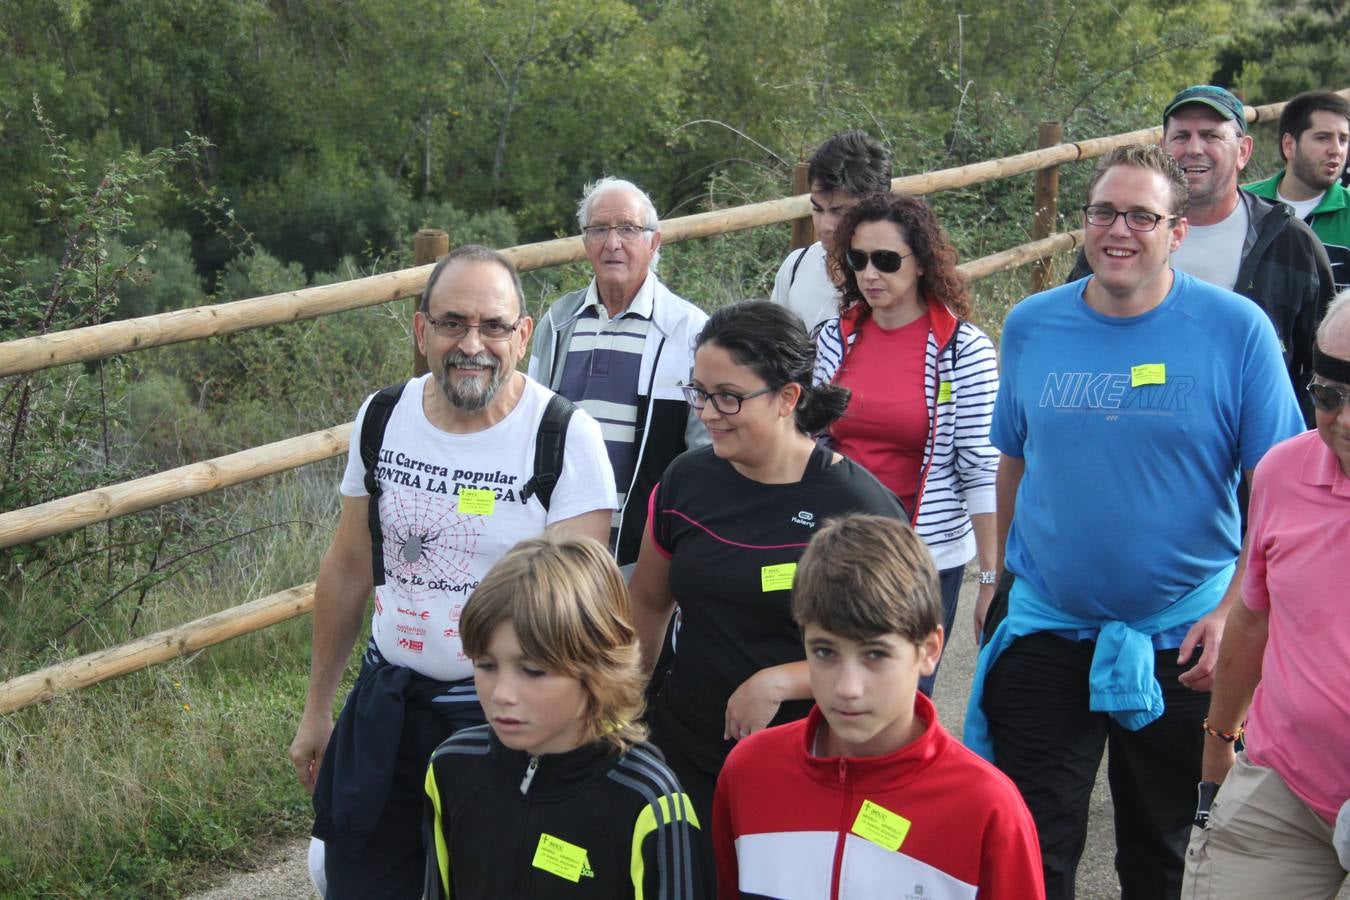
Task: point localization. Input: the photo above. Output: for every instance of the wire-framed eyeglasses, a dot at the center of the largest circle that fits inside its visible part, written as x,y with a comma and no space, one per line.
1327,397
598,234
455,327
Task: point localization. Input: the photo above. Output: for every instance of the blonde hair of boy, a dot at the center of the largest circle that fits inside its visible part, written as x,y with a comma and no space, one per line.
865,576
568,604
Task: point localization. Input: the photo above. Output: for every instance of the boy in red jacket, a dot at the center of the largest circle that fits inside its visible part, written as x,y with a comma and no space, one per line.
869,796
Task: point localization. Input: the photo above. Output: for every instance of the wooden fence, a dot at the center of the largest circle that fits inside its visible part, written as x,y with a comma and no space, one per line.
98,341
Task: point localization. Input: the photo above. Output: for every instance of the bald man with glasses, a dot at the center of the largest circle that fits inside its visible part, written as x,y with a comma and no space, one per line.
441,481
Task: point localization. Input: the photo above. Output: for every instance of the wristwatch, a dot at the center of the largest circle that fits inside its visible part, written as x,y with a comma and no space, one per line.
1207,791
988,576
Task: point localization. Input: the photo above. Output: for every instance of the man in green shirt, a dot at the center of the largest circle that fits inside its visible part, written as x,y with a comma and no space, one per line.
1314,137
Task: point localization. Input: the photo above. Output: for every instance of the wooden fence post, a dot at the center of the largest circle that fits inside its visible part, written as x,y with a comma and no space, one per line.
1048,134
803,230
429,245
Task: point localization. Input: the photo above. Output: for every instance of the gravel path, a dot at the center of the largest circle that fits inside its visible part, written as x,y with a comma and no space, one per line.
281,873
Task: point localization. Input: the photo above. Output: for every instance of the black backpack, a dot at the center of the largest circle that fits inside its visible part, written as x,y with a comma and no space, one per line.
548,458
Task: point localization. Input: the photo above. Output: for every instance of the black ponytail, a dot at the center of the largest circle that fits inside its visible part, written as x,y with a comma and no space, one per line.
820,406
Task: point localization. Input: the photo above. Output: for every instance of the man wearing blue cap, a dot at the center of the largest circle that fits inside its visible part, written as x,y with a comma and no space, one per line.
1240,241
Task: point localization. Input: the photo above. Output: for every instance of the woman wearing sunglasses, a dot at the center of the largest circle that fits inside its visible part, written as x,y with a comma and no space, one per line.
922,382
727,524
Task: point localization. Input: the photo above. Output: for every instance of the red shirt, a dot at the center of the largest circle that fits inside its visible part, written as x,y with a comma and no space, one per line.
886,424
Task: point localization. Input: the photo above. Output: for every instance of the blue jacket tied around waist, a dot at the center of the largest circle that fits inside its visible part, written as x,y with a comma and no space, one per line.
1121,681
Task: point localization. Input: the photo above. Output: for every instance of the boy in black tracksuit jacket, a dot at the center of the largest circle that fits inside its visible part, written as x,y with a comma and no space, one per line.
490,806
559,796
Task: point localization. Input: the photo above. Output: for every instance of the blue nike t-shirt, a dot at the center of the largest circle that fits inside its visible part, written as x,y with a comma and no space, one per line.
1134,432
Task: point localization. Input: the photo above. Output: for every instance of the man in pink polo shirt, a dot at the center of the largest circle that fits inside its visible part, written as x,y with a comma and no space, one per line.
1271,830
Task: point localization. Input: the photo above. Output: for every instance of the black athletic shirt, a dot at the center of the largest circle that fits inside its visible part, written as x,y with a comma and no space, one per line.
721,531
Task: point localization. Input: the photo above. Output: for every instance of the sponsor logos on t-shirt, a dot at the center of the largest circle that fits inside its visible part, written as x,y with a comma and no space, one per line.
1115,392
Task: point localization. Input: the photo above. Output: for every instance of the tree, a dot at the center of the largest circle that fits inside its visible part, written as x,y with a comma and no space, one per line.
1292,47
49,421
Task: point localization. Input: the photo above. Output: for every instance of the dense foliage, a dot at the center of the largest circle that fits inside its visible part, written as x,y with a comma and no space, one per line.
334,128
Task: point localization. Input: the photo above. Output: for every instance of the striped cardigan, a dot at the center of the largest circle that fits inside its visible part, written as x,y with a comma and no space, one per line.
960,381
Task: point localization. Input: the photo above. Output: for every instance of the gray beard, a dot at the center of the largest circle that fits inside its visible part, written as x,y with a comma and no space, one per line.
468,395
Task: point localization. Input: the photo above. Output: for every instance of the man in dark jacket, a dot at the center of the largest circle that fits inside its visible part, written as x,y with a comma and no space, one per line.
1238,240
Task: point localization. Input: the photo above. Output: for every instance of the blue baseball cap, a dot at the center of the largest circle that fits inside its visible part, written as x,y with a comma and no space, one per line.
1216,98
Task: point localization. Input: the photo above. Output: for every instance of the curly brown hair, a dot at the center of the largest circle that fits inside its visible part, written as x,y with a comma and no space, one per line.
932,251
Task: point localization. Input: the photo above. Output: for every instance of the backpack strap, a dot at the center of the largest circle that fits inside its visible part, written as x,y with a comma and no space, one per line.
376,420
548,449
792,276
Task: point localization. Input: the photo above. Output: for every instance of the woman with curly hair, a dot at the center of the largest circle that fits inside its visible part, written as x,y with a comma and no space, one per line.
922,381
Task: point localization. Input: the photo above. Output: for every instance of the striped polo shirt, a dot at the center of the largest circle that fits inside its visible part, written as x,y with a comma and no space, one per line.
601,372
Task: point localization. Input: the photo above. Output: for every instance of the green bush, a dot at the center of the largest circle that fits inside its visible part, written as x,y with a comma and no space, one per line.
162,278
317,215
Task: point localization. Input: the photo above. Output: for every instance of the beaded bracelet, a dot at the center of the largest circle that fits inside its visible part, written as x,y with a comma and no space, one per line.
1226,736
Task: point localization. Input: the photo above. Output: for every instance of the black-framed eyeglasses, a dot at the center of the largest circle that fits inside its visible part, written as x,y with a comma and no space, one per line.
886,261
455,327
1328,398
598,234
1135,219
725,402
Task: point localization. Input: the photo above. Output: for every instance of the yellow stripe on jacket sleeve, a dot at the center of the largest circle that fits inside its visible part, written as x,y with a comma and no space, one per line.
646,823
438,833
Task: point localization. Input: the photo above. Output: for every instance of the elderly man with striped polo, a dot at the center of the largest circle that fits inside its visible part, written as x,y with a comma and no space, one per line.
621,347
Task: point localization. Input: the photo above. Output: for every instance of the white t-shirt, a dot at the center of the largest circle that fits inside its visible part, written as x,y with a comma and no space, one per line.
1213,253
437,545
811,294
1302,207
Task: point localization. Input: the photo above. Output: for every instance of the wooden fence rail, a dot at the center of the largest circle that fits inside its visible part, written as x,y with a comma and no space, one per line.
159,647
256,615
64,514
100,504
97,341
111,338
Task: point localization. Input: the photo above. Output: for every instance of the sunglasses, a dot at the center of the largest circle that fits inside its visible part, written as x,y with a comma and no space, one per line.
1328,398
886,261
